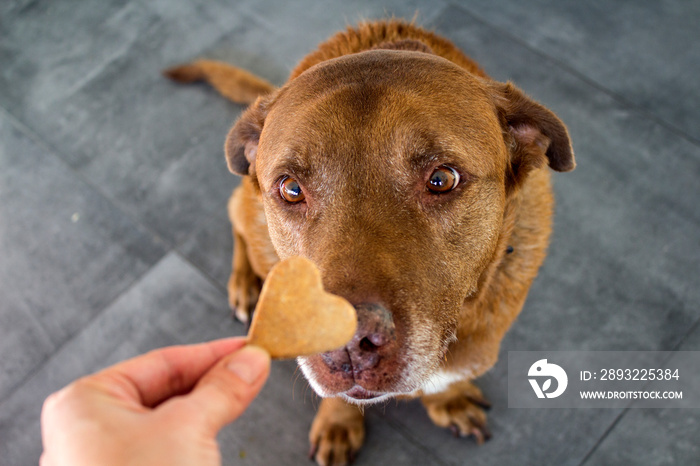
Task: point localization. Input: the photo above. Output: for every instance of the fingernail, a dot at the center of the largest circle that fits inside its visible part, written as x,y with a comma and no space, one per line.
249,363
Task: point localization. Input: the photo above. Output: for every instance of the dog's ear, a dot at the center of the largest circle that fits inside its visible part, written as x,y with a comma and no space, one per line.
535,135
242,141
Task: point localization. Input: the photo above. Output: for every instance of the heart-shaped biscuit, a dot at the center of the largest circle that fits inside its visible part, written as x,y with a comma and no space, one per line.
296,317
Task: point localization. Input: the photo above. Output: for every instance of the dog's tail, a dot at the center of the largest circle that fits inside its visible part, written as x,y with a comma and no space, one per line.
233,83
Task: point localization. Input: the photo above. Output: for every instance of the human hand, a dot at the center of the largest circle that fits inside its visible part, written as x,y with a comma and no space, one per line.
165,407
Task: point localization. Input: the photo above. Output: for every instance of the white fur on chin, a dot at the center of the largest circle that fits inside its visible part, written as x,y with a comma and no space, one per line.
323,393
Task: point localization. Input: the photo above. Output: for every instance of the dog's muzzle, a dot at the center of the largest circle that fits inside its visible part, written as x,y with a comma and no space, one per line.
374,342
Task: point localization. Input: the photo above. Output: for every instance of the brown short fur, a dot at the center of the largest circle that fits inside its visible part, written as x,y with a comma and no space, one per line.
359,124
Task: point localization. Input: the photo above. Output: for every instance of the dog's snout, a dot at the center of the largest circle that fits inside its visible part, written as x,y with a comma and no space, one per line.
374,340
375,328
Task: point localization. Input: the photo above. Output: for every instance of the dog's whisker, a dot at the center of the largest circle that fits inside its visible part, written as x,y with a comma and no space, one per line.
294,382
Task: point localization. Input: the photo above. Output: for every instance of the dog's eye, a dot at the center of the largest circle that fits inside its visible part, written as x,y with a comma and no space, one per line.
290,190
443,179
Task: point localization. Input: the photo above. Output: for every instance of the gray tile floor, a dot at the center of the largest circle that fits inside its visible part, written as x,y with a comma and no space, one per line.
114,238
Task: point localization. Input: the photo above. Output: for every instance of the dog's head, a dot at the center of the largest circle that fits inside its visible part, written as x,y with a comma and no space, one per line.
390,169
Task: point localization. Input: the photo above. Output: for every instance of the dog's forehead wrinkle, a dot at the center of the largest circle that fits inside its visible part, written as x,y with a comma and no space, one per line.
363,129
423,78
387,66
290,162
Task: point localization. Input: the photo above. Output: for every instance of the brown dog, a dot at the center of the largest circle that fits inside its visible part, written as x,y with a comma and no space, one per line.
419,187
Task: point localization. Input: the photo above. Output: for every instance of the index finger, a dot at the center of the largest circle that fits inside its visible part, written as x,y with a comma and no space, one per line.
163,373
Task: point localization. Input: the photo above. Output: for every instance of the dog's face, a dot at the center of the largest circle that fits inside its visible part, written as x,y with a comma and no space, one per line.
390,170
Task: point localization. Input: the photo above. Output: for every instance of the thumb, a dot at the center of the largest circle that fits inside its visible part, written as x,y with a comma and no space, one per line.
224,392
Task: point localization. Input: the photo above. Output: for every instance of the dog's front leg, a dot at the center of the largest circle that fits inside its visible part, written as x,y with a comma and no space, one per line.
461,408
337,433
244,285
253,253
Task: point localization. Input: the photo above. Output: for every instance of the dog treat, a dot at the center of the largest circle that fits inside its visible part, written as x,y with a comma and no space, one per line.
296,317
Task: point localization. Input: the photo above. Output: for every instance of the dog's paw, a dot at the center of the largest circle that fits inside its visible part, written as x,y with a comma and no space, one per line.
461,408
243,292
337,433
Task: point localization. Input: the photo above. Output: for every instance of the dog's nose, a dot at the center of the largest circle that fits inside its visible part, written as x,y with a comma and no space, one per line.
374,339
375,333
